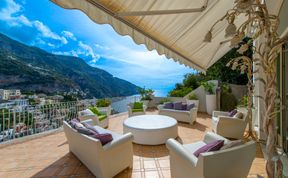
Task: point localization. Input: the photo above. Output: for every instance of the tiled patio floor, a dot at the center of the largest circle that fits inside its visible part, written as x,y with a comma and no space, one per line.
49,157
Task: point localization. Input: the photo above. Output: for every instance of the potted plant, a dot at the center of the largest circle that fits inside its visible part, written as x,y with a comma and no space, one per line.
146,95
104,111
210,96
192,98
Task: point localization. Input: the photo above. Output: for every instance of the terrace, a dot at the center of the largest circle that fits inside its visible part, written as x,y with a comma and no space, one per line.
49,156
171,30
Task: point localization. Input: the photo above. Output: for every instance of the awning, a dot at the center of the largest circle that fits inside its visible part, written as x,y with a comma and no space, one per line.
173,28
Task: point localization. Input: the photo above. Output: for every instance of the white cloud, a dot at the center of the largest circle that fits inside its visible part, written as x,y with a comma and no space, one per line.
101,47
66,53
46,32
88,51
12,14
69,35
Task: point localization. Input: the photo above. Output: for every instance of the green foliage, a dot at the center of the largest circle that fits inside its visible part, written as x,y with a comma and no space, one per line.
146,94
243,101
192,96
209,87
138,105
190,82
180,92
219,70
165,100
103,102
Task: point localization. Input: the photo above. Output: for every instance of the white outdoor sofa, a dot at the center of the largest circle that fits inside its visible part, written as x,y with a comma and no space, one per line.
179,115
103,161
131,113
232,162
229,127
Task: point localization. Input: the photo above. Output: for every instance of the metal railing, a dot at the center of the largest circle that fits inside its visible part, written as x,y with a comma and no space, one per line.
18,122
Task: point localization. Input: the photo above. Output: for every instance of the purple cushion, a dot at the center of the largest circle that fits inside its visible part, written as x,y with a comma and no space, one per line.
190,106
184,106
213,146
177,105
232,113
168,105
90,127
85,131
73,122
104,137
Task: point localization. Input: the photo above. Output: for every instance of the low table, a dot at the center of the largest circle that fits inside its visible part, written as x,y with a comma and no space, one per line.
151,129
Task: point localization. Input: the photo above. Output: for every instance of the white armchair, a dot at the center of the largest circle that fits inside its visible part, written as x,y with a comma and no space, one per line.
232,162
87,114
180,115
133,113
103,161
229,127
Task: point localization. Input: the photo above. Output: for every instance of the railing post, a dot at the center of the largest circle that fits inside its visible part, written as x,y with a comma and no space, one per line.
14,123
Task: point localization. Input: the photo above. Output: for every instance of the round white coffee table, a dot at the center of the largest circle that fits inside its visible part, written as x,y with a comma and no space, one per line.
151,129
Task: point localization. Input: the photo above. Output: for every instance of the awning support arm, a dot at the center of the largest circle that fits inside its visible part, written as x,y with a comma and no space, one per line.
162,12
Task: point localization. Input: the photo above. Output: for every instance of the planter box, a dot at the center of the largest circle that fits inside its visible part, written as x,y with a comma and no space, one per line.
211,104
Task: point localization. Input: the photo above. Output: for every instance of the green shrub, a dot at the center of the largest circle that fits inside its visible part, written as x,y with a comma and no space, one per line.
103,102
180,92
146,94
209,87
192,96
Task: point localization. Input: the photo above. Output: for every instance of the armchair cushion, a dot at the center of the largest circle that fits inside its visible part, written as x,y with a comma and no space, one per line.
212,146
95,110
138,105
102,117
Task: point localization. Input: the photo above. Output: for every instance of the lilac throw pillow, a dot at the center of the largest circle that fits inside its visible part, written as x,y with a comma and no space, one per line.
232,113
213,146
177,105
184,107
168,105
190,106
104,137
85,131
73,122
90,127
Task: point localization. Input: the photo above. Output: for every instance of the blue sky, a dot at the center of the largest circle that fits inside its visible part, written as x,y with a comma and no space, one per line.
70,32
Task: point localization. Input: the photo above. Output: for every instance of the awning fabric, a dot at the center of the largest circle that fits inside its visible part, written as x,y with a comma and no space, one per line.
177,35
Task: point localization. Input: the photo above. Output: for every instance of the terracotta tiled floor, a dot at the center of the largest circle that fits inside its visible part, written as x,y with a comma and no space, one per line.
49,157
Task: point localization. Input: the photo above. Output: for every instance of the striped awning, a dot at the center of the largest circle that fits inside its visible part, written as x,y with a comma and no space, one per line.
173,28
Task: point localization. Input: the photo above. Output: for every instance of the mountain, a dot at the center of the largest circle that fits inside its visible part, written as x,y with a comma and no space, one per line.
32,69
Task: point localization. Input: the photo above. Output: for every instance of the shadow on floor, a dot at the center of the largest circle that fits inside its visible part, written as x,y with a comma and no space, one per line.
68,165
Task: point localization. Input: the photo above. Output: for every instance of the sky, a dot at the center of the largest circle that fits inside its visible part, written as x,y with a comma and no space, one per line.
43,24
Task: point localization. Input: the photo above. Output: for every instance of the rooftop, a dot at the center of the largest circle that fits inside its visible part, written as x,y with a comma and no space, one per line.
49,156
